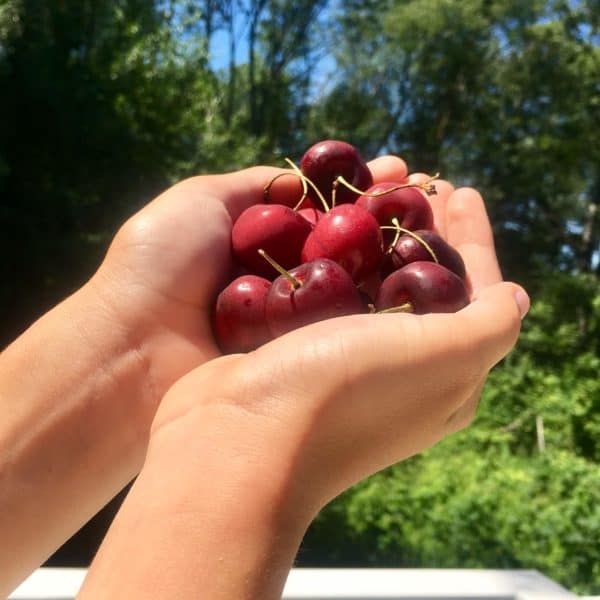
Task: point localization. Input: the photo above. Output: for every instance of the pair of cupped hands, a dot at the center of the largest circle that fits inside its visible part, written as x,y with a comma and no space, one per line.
294,423
344,397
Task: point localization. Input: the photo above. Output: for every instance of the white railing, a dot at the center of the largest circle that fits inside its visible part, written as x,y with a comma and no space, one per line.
355,584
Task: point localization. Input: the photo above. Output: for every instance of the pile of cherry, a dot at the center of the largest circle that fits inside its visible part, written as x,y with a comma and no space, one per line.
345,247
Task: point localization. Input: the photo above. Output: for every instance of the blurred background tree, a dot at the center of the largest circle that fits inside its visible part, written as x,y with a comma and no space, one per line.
104,105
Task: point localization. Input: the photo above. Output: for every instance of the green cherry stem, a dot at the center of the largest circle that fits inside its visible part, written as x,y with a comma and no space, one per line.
296,283
391,247
298,173
305,183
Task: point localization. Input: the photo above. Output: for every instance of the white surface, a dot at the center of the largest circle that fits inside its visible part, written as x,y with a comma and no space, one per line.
352,584
50,583
421,584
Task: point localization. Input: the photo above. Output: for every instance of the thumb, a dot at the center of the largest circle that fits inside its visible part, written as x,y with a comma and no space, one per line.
493,320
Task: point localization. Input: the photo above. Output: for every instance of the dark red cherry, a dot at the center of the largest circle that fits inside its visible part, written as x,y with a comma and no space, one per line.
323,290
408,205
423,287
275,228
239,319
410,248
350,236
324,162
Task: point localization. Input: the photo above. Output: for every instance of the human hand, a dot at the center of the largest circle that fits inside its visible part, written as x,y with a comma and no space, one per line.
250,447
79,389
166,265
352,395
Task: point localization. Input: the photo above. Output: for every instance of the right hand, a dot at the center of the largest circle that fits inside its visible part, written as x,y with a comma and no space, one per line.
331,403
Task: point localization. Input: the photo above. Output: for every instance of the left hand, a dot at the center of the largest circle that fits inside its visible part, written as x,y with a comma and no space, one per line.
76,427
166,265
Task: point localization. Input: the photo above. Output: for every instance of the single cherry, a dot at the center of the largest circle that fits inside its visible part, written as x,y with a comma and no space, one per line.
314,291
350,236
277,229
408,205
325,161
422,287
420,245
239,318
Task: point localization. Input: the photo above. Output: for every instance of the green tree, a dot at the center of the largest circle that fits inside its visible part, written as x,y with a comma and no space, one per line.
456,508
102,106
267,81
498,94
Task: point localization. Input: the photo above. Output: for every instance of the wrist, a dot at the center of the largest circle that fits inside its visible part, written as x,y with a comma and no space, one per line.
224,518
76,362
224,414
115,342
71,429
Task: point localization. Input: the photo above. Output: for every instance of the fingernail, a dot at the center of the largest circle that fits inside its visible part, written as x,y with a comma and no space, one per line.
523,302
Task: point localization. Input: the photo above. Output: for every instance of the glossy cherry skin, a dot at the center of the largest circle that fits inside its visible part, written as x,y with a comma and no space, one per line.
326,291
239,320
409,249
427,286
408,205
274,228
350,236
312,215
292,202
326,160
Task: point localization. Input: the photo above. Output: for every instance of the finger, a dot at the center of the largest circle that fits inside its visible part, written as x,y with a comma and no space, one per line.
493,321
437,201
388,168
469,231
238,190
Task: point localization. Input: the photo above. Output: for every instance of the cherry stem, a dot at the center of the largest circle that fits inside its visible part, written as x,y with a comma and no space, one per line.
396,236
306,180
296,283
427,186
305,183
398,229
299,173
267,187
407,307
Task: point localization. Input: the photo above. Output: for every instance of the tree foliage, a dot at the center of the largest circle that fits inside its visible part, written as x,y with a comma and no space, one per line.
502,95
98,111
466,508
